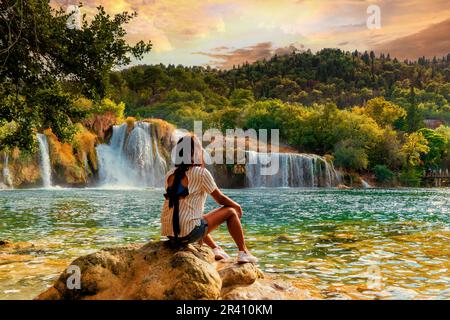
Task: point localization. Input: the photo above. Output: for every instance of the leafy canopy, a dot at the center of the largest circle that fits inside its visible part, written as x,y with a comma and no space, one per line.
45,66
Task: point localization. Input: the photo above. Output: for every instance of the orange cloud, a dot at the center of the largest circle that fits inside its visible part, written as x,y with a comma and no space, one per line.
260,51
165,22
429,42
179,27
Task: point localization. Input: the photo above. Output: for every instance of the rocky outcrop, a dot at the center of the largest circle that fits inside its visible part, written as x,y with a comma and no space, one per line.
157,271
154,271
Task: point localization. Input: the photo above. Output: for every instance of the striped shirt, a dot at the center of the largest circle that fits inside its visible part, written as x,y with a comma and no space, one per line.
200,184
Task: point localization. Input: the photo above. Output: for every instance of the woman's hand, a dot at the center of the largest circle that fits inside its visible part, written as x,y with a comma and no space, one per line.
238,209
223,200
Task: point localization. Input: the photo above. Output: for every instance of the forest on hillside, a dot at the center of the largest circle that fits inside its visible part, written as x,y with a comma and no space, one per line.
367,111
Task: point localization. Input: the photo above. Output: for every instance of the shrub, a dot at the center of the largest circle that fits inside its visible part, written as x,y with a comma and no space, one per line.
383,174
350,157
411,177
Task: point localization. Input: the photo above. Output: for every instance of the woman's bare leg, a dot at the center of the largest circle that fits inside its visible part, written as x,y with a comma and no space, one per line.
209,241
218,216
208,238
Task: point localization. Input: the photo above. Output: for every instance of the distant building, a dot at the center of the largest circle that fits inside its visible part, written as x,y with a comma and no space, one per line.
433,123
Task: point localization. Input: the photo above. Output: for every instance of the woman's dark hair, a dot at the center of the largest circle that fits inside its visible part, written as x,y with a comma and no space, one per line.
191,145
183,162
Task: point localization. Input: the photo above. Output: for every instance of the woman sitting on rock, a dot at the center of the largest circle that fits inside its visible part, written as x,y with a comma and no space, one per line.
187,187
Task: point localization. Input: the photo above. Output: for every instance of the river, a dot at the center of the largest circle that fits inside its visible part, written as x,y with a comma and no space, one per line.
375,243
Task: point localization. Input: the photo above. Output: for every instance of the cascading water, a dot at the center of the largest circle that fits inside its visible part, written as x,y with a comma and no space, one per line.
7,179
294,170
46,169
131,159
114,167
365,184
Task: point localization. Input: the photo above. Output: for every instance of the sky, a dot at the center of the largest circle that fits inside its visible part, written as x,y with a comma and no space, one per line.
223,33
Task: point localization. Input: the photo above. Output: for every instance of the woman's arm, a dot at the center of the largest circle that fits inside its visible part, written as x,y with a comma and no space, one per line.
223,200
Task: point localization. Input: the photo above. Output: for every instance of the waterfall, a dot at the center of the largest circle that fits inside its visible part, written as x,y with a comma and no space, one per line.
365,184
46,169
294,170
7,179
131,159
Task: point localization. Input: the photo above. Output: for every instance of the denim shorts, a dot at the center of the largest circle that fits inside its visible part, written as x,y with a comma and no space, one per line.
198,233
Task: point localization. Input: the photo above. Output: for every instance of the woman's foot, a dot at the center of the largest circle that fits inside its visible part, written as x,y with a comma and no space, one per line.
220,254
246,257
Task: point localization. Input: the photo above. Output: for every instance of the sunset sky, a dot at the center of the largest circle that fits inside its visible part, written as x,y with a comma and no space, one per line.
221,33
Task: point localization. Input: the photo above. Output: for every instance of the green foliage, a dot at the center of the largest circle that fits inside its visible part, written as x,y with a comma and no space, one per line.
8,130
241,98
414,148
411,177
445,132
107,105
437,146
320,129
46,66
349,156
330,75
262,115
383,174
181,108
382,111
387,151
227,118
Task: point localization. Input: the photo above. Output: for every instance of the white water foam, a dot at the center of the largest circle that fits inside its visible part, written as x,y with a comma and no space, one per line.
131,159
46,169
295,170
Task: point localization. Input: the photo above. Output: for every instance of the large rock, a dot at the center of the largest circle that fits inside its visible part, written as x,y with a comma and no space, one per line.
153,271
156,271
264,289
238,274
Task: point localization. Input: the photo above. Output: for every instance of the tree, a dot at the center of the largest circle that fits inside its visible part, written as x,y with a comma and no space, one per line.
414,118
415,146
382,111
383,174
227,118
387,151
350,156
45,65
436,144
241,98
445,132
261,115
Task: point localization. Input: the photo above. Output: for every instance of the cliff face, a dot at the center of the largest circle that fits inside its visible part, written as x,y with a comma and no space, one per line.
157,272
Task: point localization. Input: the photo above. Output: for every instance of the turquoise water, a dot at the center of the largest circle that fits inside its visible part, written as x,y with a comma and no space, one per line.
326,237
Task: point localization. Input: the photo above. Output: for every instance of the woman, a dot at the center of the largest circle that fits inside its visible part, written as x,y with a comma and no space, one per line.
187,187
